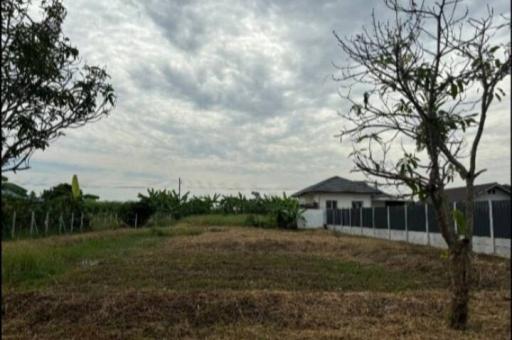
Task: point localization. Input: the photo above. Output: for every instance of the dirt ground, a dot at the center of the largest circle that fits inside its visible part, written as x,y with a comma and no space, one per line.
245,283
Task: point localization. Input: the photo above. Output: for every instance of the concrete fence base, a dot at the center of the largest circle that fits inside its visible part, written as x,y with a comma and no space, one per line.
481,245
317,218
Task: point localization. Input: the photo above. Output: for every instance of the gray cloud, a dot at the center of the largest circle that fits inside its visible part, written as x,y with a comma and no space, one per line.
225,94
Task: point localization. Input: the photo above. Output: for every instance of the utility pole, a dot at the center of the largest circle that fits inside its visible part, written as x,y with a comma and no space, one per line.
179,188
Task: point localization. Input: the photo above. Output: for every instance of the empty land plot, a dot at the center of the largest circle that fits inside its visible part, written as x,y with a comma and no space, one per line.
233,282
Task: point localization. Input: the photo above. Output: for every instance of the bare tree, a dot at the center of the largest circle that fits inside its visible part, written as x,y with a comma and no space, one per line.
420,86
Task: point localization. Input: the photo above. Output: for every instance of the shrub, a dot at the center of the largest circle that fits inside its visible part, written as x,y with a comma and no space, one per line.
129,210
260,221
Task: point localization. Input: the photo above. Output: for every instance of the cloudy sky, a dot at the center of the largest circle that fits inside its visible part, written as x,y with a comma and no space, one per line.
228,95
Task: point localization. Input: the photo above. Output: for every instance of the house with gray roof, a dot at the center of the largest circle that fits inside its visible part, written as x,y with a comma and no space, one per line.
483,192
338,192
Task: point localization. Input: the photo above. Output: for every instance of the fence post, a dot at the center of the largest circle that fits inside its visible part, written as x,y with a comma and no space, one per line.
389,223
406,226
135,221
72,221
373,220
81,221
455,220
46,222
61,223
350,219
361,219
13,230
32,222
426,223
491,228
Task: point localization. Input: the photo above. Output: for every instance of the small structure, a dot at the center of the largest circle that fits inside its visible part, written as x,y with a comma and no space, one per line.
483,192
338,192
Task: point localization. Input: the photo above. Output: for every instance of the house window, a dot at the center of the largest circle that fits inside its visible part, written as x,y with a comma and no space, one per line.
357,204
331,204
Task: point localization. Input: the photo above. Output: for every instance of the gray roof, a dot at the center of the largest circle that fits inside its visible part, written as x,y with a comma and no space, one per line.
459,193
339,185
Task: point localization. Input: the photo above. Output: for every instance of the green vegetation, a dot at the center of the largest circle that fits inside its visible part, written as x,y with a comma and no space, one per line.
31,263
65,208
237,282
250,220
75,188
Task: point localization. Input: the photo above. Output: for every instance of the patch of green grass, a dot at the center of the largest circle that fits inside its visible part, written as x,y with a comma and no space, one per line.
202,270
175,231
160,220
241,271
219,220
32,263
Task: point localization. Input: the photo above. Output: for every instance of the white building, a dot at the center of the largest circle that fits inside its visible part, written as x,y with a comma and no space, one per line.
337,192
483,192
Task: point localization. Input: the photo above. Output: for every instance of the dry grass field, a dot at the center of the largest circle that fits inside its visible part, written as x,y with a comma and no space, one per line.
239,283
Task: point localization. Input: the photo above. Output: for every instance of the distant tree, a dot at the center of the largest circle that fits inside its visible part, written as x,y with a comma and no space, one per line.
62,190
10,189
420,88
91,197
44,87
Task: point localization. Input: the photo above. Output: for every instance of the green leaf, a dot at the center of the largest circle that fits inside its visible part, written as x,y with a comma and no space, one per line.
454,90
460,219
494,49
75,187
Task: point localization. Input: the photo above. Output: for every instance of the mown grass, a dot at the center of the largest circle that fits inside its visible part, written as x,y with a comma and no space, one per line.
29,263
226,282
225,220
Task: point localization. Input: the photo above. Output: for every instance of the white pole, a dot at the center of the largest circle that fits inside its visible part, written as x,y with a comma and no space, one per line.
32,222
406,226
46,222
135,221
426,223
389,223
373,220
491,227
81,221
13,224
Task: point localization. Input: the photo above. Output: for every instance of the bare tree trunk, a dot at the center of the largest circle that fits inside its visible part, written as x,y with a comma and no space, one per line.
460,261
459,250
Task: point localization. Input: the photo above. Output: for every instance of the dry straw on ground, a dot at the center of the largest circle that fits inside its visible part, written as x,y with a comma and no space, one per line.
183,287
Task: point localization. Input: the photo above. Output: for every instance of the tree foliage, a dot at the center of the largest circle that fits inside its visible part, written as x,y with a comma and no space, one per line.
45,88
75,188
420,87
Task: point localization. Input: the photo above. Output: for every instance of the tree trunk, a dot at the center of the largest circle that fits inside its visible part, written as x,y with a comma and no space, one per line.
459,250
460,262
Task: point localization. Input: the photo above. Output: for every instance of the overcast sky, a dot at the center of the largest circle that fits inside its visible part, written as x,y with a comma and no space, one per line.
228,95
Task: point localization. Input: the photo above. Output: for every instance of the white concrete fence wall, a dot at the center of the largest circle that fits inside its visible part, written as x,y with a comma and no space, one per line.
316,218
313,219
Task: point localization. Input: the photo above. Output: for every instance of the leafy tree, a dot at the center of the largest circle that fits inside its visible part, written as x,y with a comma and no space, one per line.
420,87
45,88
58,191
91,197
9,187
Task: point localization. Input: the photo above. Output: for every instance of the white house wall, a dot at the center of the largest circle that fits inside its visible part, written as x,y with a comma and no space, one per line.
313,219
344,200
